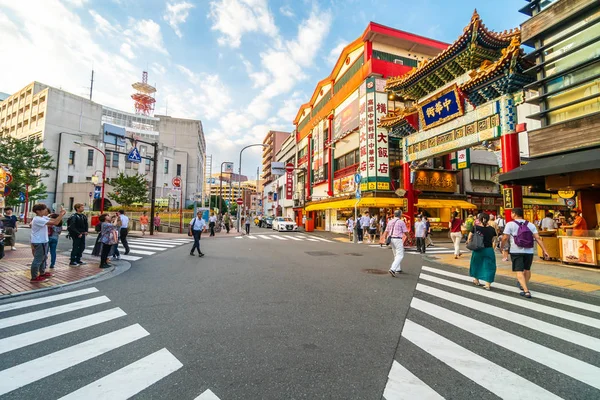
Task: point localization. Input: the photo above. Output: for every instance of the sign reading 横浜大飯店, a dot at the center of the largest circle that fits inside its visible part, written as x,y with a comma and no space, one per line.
440,108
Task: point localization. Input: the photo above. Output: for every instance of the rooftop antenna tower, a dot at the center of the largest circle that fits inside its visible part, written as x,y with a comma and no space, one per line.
144,98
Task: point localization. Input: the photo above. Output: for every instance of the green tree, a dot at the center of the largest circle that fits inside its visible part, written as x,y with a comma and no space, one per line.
214,203
28,162
129,189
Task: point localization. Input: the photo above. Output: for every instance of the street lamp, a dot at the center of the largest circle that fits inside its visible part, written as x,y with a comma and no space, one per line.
240,179
103,172
221,184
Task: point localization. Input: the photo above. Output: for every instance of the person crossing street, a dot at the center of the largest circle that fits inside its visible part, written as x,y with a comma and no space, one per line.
197,226
396,230
124,230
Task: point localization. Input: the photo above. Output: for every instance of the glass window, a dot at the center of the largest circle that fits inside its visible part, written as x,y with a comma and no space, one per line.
166,168
350,159
70,179
72,157
326,173
572,78
108,158
341,162
565,30
578,92
115,159
574,111
178,169
580,56
572,41
90,161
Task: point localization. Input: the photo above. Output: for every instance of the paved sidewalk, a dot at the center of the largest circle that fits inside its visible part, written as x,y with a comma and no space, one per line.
15,271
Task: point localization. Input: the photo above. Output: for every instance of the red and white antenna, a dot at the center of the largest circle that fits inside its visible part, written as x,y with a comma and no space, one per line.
143,101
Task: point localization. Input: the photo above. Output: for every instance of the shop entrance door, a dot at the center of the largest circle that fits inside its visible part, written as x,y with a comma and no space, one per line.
320,220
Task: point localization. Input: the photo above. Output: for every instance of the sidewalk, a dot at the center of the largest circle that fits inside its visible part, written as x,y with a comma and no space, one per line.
15,271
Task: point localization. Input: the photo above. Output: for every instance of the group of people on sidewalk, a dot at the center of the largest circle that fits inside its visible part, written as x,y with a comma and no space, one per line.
111,229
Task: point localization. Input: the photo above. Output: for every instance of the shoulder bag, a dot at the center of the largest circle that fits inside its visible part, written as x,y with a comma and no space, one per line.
388,240
476,242
191,226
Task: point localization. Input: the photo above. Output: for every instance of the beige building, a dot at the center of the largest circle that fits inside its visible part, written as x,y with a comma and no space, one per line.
273,140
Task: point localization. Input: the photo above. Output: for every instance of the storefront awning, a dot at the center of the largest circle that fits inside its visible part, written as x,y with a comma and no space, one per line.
542,202
562,164
377,202
441,203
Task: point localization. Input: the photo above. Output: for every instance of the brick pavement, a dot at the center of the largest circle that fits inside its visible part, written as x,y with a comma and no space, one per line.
15,271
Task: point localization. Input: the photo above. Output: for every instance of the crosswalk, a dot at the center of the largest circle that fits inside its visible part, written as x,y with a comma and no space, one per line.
141,247
494,343
293,237
433,250
26,370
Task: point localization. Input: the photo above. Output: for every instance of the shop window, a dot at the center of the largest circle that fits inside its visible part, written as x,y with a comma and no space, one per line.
71,157
481,172
90,160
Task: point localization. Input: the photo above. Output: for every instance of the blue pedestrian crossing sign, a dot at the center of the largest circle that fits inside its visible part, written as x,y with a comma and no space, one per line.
358,194
134,156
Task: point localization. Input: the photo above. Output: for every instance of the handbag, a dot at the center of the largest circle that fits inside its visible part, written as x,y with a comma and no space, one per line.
476,242
388,240
113,238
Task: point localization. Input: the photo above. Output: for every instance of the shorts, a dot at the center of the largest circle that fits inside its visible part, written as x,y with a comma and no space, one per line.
144,227
521,262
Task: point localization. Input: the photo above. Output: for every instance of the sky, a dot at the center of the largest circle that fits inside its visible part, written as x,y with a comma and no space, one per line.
243,67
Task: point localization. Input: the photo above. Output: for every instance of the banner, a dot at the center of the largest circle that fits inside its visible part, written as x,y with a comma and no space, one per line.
289,185
346,121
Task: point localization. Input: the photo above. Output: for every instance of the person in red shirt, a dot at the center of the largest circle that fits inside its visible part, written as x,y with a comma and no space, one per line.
455,233
579,225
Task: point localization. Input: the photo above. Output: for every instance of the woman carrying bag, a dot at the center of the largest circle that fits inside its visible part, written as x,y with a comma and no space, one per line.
108,237
483,258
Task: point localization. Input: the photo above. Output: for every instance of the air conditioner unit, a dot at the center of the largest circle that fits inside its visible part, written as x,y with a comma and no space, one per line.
398,61
296,196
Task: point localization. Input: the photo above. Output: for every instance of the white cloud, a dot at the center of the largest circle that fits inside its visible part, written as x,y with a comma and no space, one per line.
177,14
287,112
77,3
259,79
103,26
158,69
286,11
146,33
126,51
334,54
192,77
234,18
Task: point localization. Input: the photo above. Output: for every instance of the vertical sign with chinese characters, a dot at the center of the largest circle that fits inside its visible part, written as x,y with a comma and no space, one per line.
381,134
507,193
371,140
362,143
289,185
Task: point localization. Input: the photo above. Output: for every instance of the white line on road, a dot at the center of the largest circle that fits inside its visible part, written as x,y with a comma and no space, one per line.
123,256
207,395
322,239
142,246
264,237
293,238
20,375
129,380
238,237
514,289
136,251
595,323
567,365
312,240
403,385
31,337
47,299
278,237
168,245
251,237
50,312
494,378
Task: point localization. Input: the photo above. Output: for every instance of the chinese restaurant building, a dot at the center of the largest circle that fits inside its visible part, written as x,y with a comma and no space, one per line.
565,151
466,97
338,135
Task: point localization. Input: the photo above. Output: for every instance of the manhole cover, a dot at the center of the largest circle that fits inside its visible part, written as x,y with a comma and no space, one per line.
376,271
354,254
319,253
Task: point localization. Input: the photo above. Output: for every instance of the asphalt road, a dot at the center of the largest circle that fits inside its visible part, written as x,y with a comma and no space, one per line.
269,317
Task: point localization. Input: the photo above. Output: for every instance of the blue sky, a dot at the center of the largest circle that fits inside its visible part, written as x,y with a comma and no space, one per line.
241,66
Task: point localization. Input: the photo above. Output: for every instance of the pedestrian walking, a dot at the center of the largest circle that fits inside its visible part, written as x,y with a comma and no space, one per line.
455,232
10,228
156,223
144,223
247,224
227,222
468,226
365,222
212,221
108,237
522,235
420,233
77,226
428,232
483,261
197,226
114,251
53,235
124,230
1,240
396,230
39,241
350,226
97,250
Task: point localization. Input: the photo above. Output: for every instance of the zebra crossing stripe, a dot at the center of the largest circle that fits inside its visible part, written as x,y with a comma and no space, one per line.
50,312
278,237
494,378
207,395
293,238
161,244
134,245
322,239
252,237
403,385
123,256
528,322
582,319
136,251
129,380
21,375
47,299
265,237
541,296
31,337
312,240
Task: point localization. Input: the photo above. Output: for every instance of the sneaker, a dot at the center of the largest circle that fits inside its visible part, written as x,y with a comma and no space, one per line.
360,241
104,266
73,264
47,275
201,255
13,248
392,273
81,263
52,267
192,253
38,279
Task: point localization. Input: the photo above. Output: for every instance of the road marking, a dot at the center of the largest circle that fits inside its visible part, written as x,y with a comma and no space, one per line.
50,312
528,322
146,246
403,385
264,237
135,251
567,365
312,240
129,380
541,296
322,239
238,237
47,299
123,256
167,245
517,301
207,395
251,237
494,378
279,237
293,238
20,375
32,337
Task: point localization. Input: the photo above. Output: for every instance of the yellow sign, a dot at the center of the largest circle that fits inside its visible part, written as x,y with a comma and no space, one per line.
435,181
507,193
566,194
383,186
372,185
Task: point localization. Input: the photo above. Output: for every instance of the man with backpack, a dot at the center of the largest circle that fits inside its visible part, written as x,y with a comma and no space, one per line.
77,226
522,235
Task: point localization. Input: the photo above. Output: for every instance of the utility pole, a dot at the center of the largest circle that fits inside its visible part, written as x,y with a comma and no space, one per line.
92,85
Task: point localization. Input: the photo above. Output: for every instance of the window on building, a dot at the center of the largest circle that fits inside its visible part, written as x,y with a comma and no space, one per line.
166,169
128,164
70,179
326,173
90,162
147,165
115,159
88,178
178,169
108,158
71,203
72,157
481,172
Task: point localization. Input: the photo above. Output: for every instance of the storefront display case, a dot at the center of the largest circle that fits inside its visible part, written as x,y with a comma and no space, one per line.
551,243
580,247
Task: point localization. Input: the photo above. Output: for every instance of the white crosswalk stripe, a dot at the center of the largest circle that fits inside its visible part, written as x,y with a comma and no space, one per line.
143,370
292,236
537,335
139,247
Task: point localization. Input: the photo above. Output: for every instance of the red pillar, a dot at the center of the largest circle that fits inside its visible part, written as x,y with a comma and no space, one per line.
331,169
410,194
447,162
309,167
511,159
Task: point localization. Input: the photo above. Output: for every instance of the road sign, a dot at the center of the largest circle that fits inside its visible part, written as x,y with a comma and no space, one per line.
570,202
21,197
8,178
134,156
7,191
289,168
357,178
358,193
240,201
176,182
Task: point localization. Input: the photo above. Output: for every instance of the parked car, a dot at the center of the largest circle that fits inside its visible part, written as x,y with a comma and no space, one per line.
265,222
283,224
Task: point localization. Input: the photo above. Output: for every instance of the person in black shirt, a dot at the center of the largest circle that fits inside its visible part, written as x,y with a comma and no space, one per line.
483,261
10,228
77,225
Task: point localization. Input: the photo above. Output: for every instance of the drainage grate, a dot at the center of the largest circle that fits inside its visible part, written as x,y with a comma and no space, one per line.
376,271
320,253
354,254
